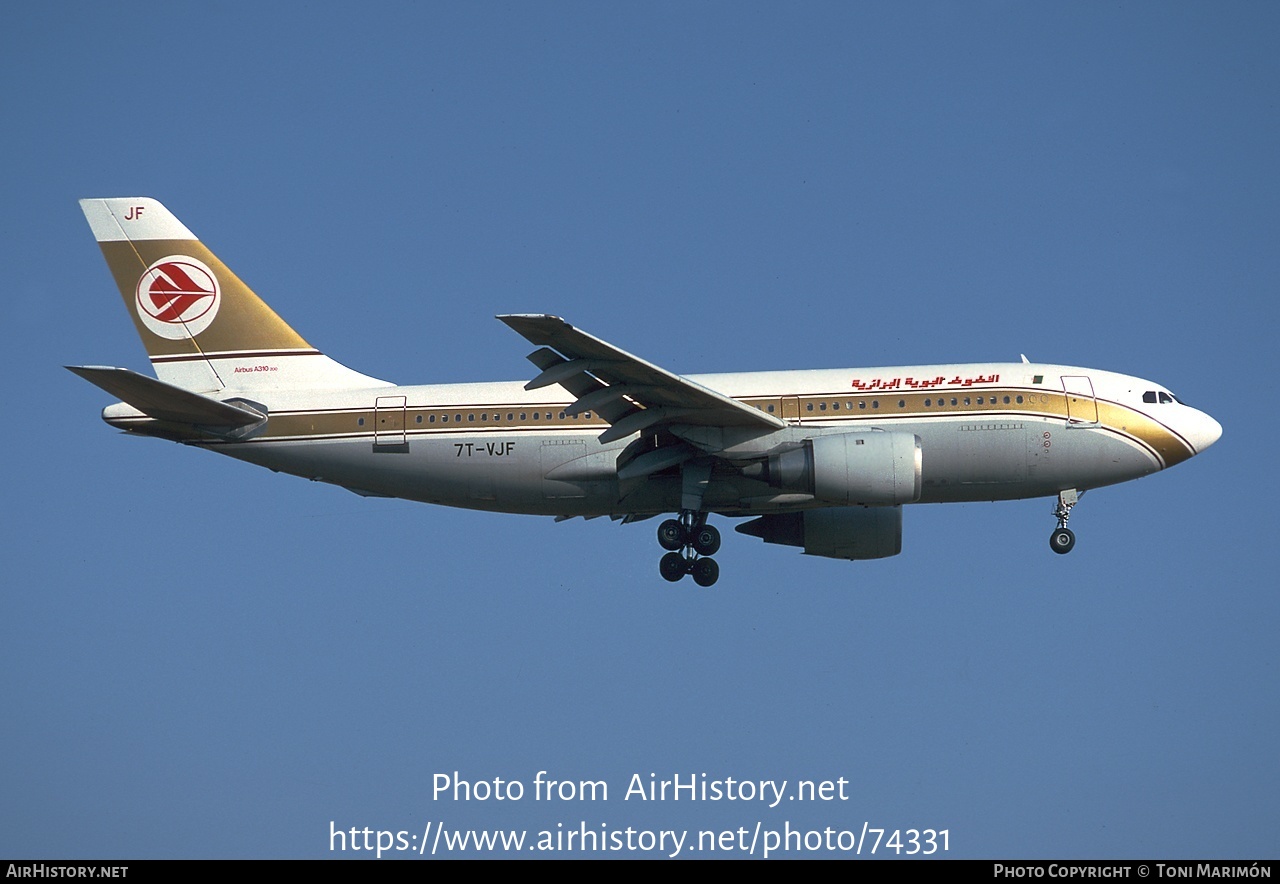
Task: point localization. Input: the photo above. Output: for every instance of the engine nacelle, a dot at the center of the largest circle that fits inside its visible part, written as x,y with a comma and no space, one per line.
861,532
872,468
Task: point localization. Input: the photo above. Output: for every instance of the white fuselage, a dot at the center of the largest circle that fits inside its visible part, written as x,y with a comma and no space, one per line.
987,431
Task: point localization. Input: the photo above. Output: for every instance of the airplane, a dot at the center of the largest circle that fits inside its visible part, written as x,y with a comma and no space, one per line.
823,460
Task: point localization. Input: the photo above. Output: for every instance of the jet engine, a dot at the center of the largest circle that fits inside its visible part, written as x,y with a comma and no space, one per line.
873,468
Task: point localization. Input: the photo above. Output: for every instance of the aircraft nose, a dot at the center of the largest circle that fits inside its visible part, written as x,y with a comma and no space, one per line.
1203,431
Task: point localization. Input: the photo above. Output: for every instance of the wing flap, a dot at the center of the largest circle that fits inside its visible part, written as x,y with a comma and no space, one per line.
582,385
587,367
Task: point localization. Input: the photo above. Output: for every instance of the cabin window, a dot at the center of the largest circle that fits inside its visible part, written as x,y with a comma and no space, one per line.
471,417
928,402
432,419
418,419
1006,400
510,416
862,404
902,403
808,406
770,409
953,401
822,407
458,418
875,403
966,400
1019,400
979,400
360,422
484,417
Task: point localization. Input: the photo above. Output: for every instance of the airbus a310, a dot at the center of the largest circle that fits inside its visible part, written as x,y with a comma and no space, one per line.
821,460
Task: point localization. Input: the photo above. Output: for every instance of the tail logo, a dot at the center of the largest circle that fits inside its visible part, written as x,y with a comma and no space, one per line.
178,297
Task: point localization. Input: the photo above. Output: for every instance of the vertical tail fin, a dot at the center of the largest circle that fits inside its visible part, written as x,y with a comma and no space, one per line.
204,329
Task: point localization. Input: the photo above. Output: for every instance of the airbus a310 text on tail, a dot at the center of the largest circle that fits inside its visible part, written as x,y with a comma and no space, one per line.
823,460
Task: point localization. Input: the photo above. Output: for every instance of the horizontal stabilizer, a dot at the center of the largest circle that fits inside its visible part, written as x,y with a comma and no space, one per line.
166,402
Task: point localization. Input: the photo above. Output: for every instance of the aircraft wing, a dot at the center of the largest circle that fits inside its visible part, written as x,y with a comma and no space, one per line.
628,392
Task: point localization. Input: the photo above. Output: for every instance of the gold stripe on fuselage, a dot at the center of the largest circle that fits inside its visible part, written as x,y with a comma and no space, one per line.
1166,446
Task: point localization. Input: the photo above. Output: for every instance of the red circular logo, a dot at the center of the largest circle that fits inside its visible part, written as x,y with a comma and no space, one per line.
178,297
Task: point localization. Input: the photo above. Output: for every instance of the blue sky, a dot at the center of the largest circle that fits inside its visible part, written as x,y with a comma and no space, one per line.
203,659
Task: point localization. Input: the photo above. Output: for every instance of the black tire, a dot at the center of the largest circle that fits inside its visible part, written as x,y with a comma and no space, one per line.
672,567
671,535
1062,541
706,540
705,572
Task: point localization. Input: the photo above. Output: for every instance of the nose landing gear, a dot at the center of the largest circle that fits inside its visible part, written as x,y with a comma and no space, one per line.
691,542
1063,539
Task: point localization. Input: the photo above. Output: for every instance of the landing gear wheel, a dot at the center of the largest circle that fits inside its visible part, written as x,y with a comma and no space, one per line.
705,572
1062,540
672,536
706,541
691,542
672,567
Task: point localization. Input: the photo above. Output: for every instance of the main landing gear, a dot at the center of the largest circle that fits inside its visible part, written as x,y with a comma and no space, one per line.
691,542
1063,539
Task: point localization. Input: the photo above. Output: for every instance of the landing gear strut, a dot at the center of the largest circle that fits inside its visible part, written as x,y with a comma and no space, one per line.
691,542
1063,539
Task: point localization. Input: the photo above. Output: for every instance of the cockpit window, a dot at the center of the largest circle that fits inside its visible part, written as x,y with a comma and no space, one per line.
1159,396
1165,397
1149,396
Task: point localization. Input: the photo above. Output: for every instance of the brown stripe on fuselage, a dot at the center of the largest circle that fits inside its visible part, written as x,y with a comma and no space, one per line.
1163,443
1168,445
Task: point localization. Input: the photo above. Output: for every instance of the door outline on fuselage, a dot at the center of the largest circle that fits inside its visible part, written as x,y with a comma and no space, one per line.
791,409
389,424
1082,404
